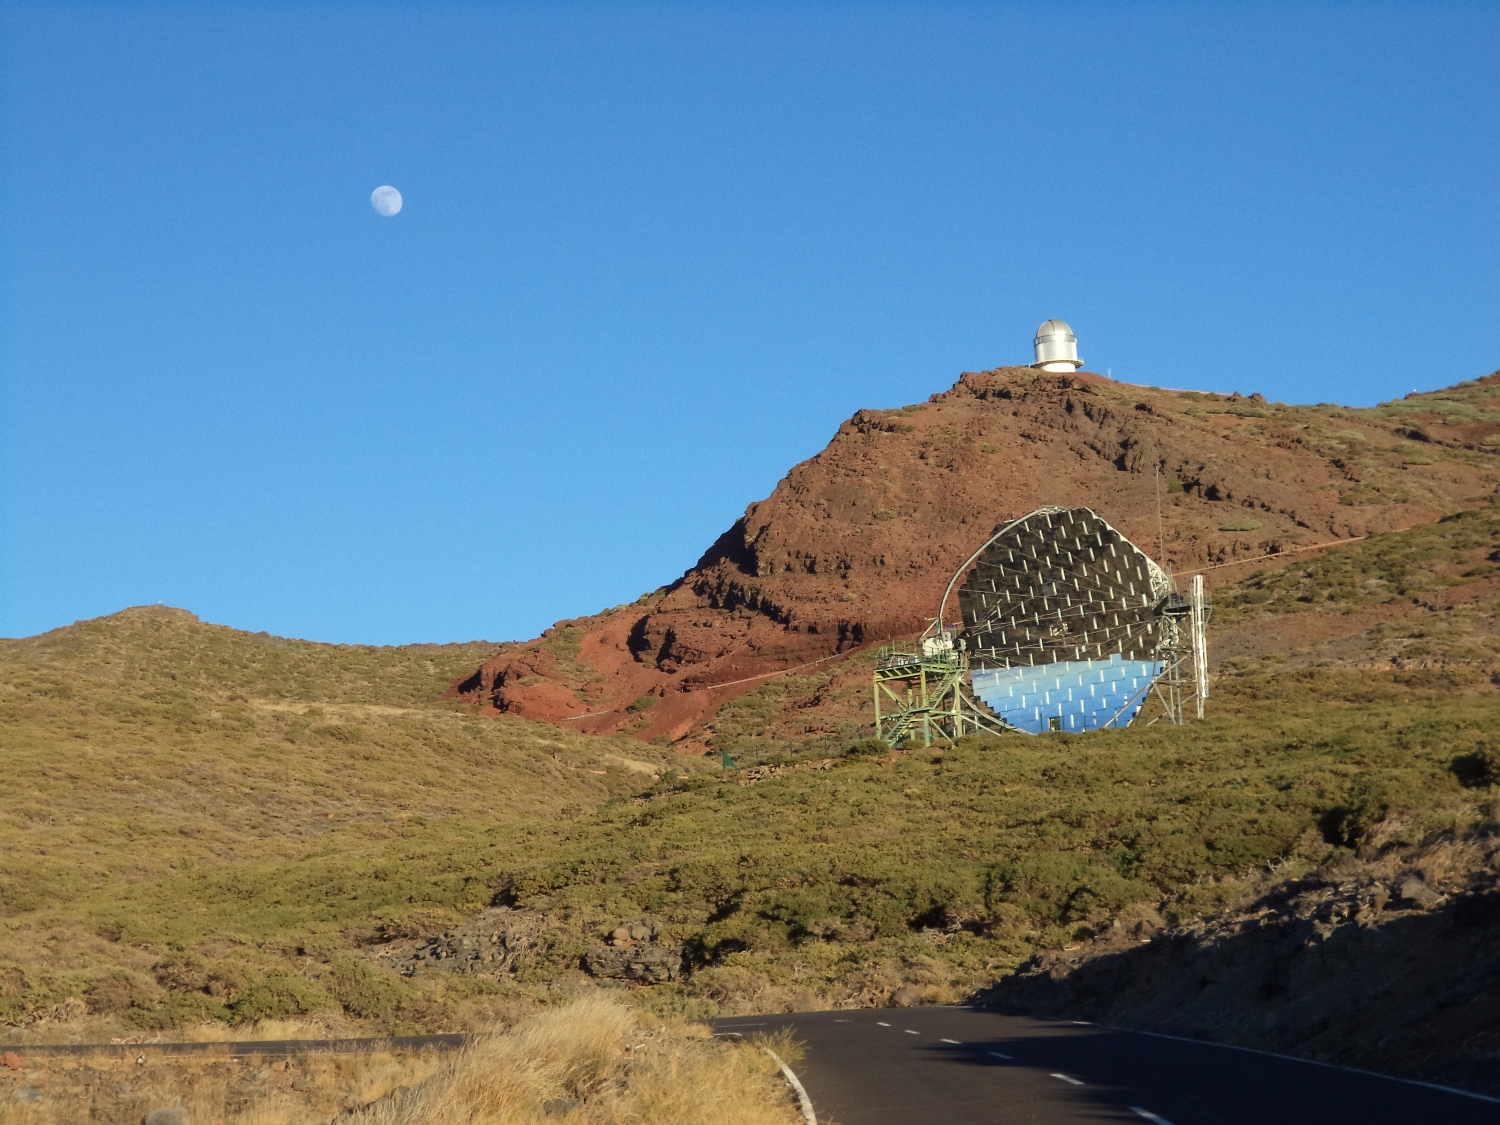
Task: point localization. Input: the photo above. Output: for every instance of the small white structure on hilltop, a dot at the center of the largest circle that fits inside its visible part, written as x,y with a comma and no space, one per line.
1056,347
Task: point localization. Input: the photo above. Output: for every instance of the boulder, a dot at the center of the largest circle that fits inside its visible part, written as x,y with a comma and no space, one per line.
1417,891
648,964
907,996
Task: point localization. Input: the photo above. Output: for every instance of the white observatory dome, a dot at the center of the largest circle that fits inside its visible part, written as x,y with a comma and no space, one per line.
1056,347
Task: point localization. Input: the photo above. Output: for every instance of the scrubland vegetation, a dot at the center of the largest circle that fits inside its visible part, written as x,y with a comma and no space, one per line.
205,825
195,817
946,867
1389,569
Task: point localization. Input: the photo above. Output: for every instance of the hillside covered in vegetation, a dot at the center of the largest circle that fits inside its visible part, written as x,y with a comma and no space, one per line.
202,824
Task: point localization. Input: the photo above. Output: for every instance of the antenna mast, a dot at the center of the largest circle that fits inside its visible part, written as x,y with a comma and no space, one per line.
1161,535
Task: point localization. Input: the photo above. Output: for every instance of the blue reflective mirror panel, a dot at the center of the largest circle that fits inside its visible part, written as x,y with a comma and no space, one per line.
1084,694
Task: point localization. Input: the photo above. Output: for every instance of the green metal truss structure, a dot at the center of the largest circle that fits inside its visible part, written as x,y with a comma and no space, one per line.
920,695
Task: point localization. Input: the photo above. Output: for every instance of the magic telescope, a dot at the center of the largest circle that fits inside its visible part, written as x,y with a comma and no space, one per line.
1065,625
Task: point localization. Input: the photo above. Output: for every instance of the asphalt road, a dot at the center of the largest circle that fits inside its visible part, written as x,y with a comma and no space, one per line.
962,1066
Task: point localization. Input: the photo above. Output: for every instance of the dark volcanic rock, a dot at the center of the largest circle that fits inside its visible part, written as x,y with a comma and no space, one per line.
489,944
646,963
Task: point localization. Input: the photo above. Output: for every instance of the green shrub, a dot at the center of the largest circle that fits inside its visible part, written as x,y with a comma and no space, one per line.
342,732
1062,886
276,996
18,995
118,992
181,972
1369,802
363,991
1481,767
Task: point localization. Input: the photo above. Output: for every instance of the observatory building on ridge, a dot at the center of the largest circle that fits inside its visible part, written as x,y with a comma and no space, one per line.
1056,347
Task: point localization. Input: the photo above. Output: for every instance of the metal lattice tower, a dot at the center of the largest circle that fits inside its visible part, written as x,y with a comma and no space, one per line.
1183,683
920,692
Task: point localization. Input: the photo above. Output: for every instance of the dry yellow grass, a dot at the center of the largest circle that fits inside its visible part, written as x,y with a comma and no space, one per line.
600,1062
209,1090
594,1061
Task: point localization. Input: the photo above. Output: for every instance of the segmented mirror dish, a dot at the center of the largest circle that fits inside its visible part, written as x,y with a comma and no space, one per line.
1061,622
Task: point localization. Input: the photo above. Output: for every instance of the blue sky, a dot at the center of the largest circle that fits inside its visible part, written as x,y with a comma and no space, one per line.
650,257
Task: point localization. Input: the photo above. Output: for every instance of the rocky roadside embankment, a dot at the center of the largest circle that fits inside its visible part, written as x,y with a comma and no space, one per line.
1390,963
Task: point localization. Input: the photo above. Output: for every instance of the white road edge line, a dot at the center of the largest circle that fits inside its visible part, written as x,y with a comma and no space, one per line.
998,1055
1308,1062
1069,1081
955,1042
807,1109
1149,1116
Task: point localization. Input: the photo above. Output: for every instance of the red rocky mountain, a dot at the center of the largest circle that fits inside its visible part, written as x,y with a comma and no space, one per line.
855,545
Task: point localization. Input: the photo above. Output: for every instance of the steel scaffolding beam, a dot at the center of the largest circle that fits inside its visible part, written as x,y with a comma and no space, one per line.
919,695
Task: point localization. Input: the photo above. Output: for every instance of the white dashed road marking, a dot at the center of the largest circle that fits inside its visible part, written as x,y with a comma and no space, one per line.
1149,1116
881,1023
909,1031
955,1042
997,1055
1069,1081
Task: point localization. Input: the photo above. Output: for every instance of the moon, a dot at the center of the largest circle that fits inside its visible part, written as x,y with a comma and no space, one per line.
386,200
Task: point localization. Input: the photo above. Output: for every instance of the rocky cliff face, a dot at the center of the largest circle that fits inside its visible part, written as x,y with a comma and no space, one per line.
1392,963
855,545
